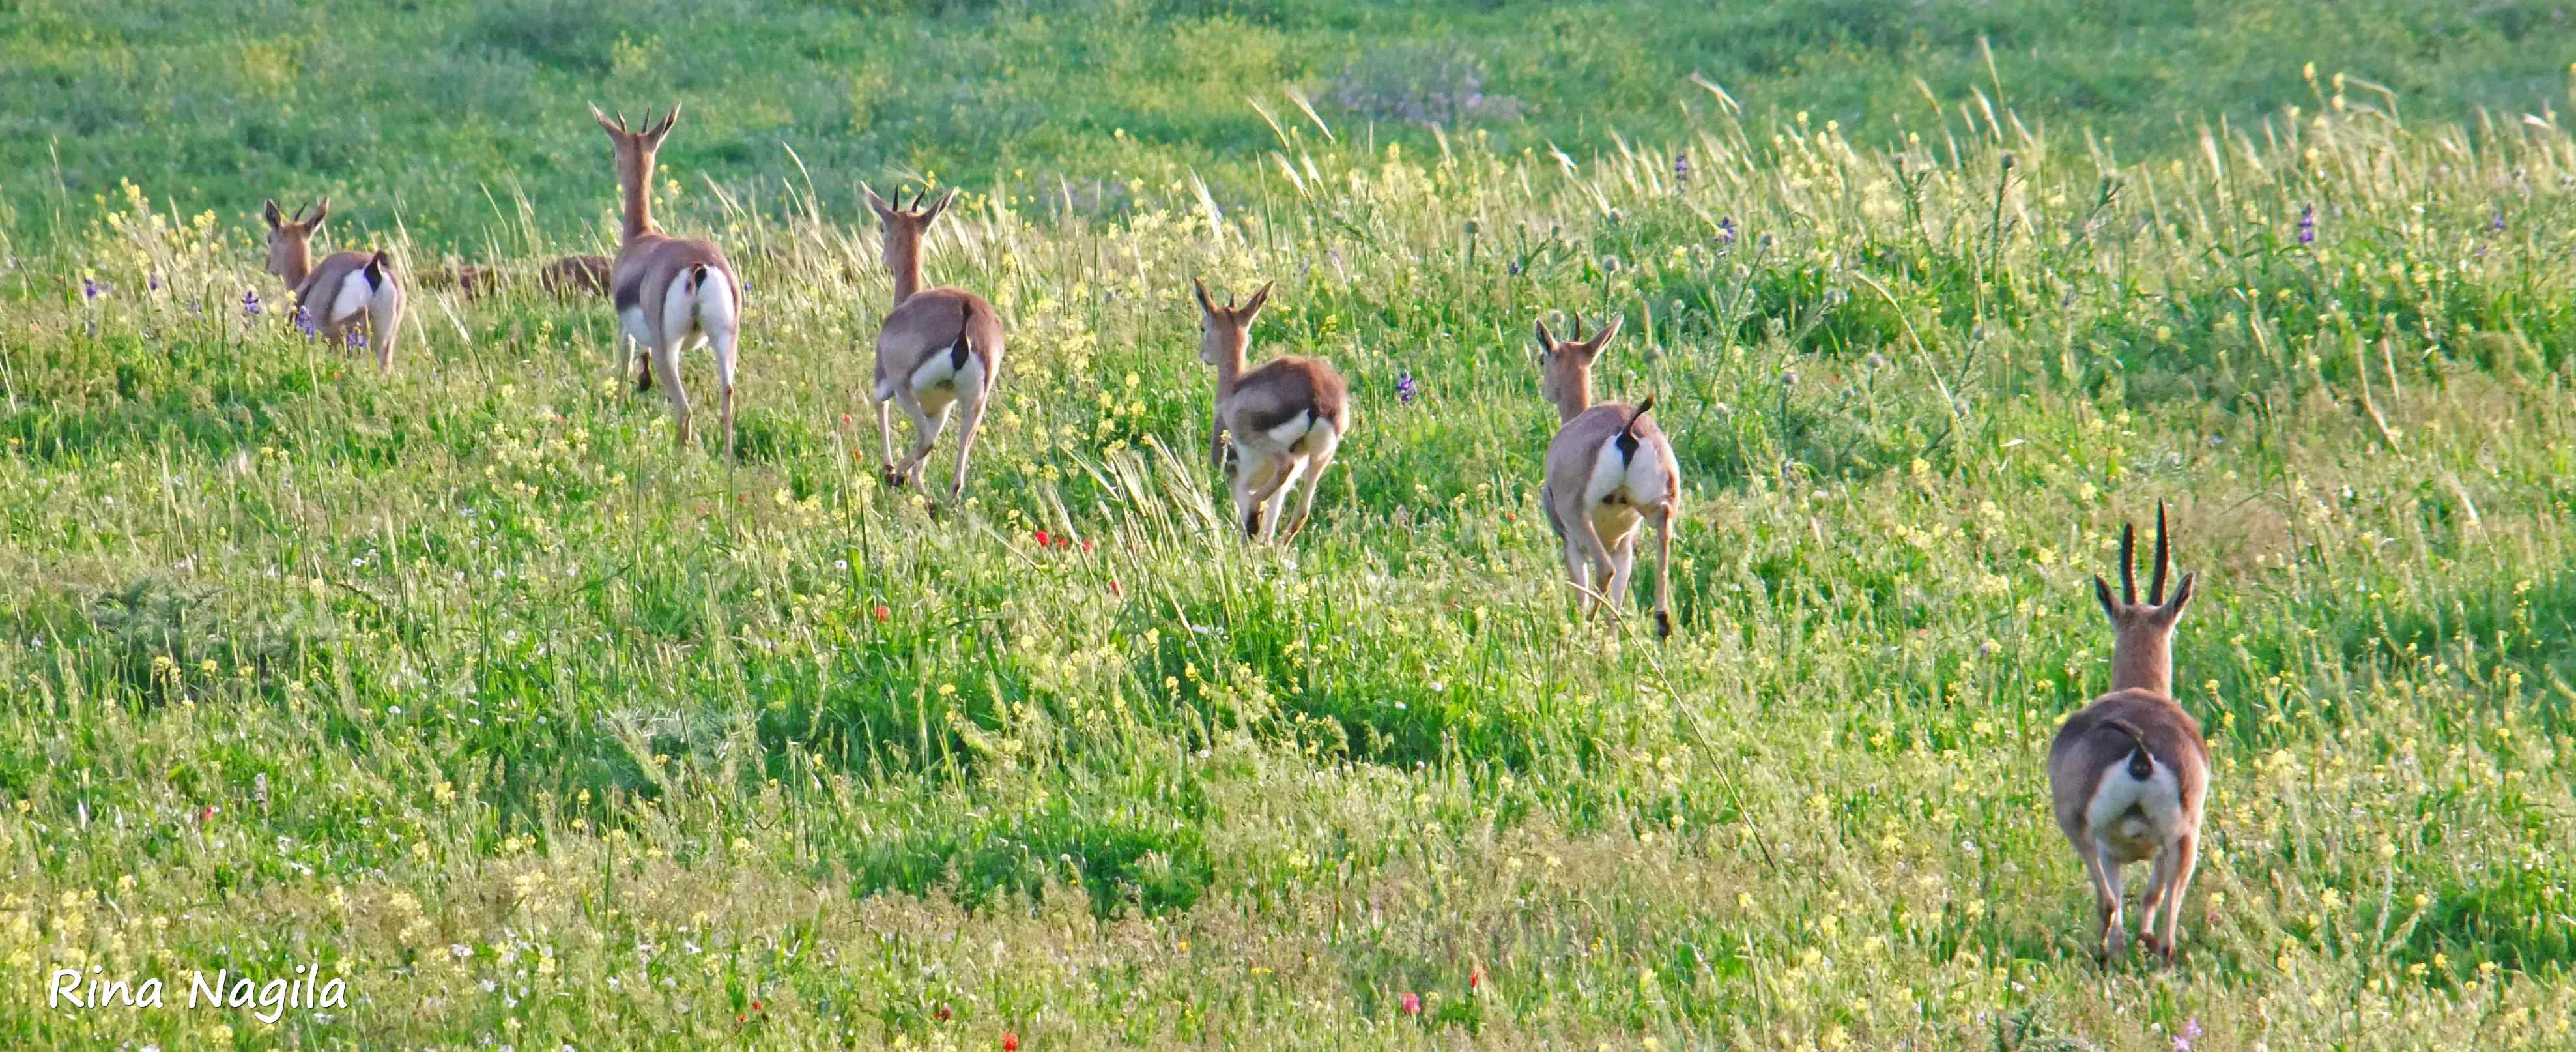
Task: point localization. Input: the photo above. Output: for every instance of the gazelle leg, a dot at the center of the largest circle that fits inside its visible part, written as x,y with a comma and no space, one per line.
666,367
1276,500
1623,561
1306,500
885,438
966,423
384,325
2151,899
1664,570
2106,899
925,429
1252,481
2186,857
1578,573
1581,532
722,339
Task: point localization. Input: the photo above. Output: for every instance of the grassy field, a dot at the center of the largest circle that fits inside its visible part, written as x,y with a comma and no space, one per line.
461,685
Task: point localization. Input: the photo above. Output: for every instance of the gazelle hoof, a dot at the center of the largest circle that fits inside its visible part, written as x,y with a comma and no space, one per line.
895,478
1663,624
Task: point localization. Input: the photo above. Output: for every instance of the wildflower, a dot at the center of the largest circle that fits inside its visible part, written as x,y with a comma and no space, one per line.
2307,224
1404,388
1726,231
1681,167
1476,978
1113,587
1086,544
90,288
250,302
2497,226
1010,1041
304,321
1412,1003
882,613
1042,538
942,1014
357,339
207,815
154,282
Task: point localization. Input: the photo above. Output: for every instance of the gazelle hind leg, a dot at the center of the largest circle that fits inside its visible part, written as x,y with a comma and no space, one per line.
1277,502
1306,499
1253,479
2106,900
2151,899
925,430
1664,570
666,367
966,424
1623,561
885,438
2186,857
384,324
1578,573
722,339
1587,539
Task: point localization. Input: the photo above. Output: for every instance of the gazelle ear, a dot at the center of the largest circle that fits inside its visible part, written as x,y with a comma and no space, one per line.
654,136
1546,339
321,211
2172,610
617,130
944,201
883,210
1206,305
2102,591
276,217
1254,307
1602,338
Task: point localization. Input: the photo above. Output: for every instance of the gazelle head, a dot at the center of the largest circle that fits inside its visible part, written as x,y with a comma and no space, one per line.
290,239
2142,650
905,225
1565,366
635,149
1224,332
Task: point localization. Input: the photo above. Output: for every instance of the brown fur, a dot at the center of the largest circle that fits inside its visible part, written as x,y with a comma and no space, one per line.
1251,405
290,254
1585,433
648,264
2105,739
925,325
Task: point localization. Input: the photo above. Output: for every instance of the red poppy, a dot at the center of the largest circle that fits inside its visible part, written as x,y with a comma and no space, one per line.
755,1006
1476,977
1010,1041
1042,538
942,1013
1086,544
207,815
1113,587
1412,1003
882,613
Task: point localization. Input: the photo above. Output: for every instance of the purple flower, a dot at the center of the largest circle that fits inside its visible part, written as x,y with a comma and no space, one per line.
2307,224
2498,225
356,338
304,321
1404,389
1726,231
155,283
2191,1027
1681,167
90,288
250,302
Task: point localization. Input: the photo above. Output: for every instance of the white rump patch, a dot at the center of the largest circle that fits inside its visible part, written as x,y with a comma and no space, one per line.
353,297
630,322
2132,817
1636,480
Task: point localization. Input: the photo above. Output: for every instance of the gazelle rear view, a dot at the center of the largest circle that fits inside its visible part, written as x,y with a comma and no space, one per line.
671,293
2127,773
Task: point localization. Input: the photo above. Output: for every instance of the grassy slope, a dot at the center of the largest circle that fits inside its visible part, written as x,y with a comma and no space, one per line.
437,107
464,684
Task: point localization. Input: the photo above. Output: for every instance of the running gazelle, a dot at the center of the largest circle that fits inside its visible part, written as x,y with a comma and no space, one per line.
1608,471
348,292
1285,418
2127,774
670,293
939,348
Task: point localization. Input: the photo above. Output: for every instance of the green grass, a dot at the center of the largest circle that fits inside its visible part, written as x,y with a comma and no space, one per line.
464,118
465,685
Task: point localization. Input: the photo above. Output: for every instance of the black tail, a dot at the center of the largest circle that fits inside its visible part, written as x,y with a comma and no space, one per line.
697,276
376,271
2142,764
965,346
1628,434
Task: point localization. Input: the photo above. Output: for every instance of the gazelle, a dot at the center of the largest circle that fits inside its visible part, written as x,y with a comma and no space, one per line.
349,290
1285,418
2127,773
564,277
939,348
1608,470
670,293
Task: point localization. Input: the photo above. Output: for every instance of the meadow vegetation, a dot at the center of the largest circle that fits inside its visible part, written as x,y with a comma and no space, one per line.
460,683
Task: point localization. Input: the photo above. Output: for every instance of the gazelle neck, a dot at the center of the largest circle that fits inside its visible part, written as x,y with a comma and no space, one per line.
2142,659
903,257
1575,397
636,180
297,264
